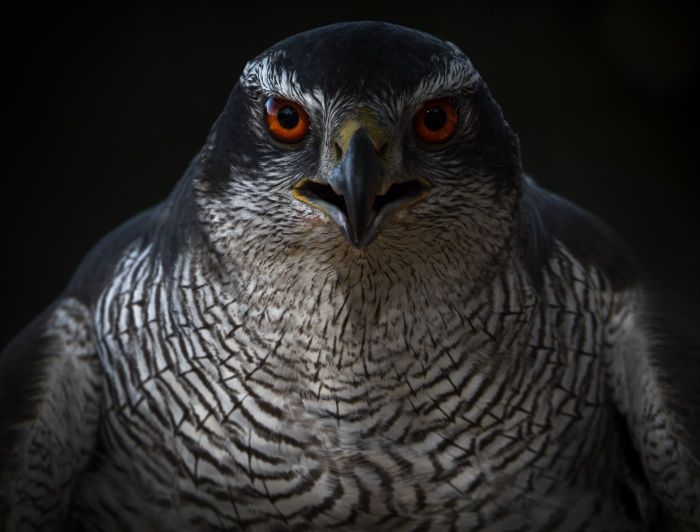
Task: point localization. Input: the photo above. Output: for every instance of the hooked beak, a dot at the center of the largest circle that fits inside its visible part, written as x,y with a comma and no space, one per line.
358,197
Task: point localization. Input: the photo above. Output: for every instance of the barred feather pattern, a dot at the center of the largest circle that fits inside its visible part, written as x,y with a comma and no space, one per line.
233,403
56,442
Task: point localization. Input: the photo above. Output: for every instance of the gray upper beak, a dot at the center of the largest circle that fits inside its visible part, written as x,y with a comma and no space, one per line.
359,179
358,195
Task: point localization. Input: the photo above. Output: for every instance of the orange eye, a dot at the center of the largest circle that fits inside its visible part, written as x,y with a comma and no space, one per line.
436,121
287,121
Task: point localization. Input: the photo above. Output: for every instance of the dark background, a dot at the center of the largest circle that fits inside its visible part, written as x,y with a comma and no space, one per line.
103,110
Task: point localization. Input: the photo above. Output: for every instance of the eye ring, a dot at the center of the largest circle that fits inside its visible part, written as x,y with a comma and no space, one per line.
436,122
287,121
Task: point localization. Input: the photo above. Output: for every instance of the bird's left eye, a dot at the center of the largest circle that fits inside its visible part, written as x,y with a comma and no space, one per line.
286,120
436,122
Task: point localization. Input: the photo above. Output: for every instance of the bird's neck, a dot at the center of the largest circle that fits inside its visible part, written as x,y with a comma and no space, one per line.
364,325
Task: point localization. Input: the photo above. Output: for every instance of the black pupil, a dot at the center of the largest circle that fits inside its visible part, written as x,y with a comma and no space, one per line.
435,118
288,117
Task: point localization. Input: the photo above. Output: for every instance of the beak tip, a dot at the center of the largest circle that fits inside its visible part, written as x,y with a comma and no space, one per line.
362,239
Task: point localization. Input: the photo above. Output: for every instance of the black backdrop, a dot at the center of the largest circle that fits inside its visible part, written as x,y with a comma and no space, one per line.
103,110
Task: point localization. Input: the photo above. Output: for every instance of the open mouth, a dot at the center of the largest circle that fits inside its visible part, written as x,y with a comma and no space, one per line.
398,193
398,196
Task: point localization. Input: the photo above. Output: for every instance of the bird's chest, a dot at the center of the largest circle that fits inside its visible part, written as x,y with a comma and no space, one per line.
236,416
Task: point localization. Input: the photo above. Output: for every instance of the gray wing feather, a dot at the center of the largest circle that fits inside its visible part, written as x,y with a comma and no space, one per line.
654,362
654,377
50,388
50,375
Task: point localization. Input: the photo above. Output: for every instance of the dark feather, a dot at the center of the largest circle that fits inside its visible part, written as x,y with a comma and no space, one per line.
545,218
673,324
23,366
25,361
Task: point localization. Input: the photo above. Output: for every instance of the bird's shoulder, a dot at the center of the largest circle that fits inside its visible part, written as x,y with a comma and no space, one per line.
652,366
166,230
652,348
98,266
50,381
60,337
50,375
547,222
661,327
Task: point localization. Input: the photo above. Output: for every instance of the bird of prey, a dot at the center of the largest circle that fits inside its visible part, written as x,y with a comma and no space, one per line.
355,311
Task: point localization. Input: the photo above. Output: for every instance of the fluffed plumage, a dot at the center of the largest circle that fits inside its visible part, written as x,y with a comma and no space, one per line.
362,328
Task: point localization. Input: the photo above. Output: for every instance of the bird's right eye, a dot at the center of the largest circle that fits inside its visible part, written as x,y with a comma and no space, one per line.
286,120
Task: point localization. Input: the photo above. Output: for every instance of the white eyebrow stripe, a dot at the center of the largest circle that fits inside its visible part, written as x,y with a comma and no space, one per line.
266,76
450,75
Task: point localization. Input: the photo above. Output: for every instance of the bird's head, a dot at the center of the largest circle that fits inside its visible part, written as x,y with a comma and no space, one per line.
360,140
